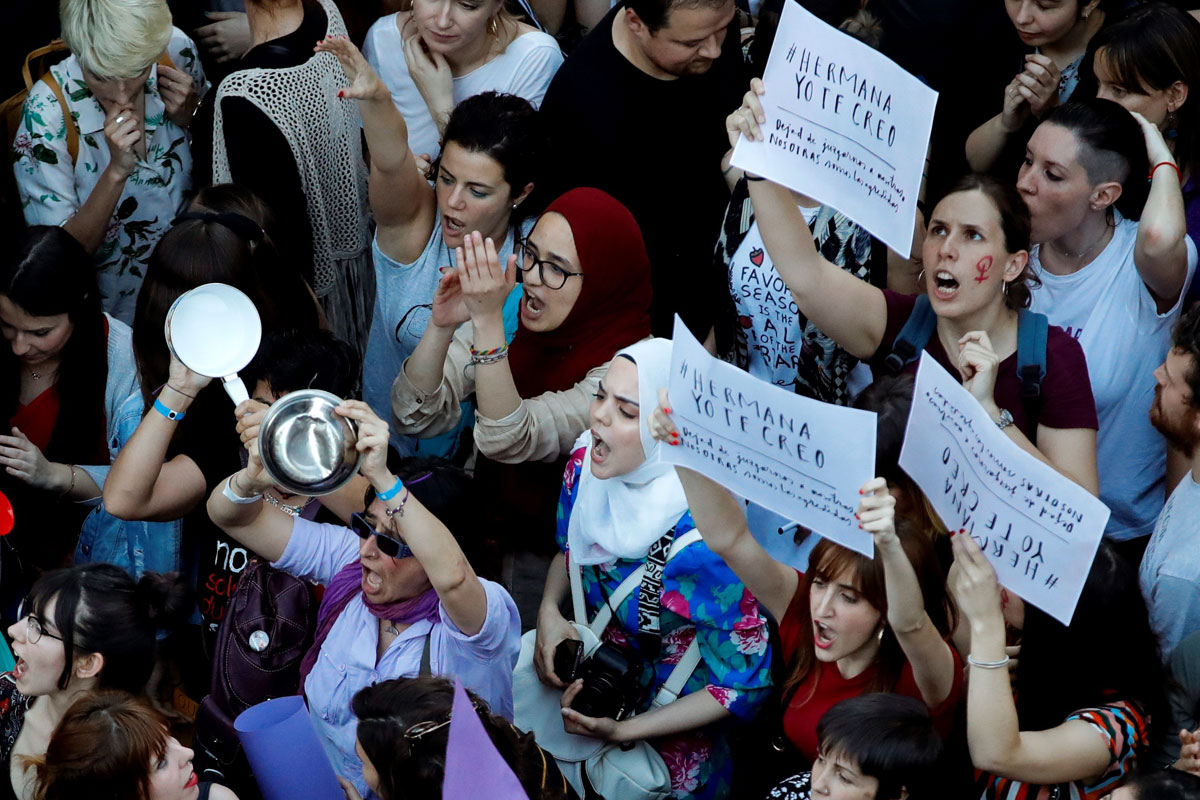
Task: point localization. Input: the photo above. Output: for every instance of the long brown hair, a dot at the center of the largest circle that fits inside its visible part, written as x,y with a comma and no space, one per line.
102,749
828,560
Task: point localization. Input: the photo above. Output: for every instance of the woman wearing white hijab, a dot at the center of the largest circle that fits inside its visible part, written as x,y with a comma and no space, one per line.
622,508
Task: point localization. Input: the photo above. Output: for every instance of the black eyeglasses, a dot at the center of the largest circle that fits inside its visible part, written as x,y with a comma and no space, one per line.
552,275
386,544
33,626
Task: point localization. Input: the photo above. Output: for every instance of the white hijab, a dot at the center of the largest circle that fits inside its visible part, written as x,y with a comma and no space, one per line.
621,517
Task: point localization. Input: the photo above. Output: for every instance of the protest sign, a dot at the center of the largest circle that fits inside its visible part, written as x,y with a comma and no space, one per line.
798,457
845,126
1039,529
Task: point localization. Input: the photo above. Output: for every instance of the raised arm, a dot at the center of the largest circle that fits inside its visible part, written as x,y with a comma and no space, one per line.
435,548
1160,252
849,310
1030,93
721,520
1071,751
401,198
932,662
140,486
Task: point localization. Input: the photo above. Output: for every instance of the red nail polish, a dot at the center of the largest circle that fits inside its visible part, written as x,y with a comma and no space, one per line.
667,410
856,516
341,93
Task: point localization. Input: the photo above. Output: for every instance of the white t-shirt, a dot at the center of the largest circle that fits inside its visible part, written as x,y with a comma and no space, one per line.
1170,571
766,309
525,69
1109,310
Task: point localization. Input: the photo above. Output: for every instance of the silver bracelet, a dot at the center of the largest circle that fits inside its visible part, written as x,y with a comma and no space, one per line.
230,495
988,664
291,511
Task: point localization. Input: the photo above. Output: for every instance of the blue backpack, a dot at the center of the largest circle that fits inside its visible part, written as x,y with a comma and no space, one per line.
1032,331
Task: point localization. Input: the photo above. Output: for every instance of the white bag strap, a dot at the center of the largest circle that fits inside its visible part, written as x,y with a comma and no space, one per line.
669,691
604,615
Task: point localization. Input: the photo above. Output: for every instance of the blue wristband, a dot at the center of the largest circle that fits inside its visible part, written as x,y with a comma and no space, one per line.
161,408
392,492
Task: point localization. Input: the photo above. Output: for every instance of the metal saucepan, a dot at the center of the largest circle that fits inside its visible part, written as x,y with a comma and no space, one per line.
214,330
305,447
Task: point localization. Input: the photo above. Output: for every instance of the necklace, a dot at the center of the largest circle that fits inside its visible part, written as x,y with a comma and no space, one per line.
391,629
1079,256
37,376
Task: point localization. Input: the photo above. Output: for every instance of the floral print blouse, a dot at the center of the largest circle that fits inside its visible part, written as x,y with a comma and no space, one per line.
701,599
52,188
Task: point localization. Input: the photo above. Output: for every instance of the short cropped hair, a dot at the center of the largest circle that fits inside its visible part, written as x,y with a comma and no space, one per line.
115,39
653,13
1187,338
892,739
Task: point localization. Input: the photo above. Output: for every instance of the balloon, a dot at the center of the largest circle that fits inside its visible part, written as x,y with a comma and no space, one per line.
6,515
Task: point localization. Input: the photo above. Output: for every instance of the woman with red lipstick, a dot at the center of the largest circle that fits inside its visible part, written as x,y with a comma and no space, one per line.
112,745
480,180
585,294
976,255
1059,32
849,624
85,628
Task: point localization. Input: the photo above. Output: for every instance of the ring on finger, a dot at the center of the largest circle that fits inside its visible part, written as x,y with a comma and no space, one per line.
120,119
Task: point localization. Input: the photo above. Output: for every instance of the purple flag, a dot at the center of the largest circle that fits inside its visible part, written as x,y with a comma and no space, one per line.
473,767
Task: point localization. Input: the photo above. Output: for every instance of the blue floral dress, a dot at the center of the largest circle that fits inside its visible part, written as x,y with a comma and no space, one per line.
701,598
52,188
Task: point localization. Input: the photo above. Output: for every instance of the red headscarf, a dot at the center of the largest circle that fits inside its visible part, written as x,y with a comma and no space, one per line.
613,308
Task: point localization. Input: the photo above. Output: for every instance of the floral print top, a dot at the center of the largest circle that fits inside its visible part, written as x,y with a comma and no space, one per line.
701,599
13,706
52,188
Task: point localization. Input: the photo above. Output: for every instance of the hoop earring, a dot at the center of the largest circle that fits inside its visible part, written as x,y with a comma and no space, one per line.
921,276
1004,288
493,25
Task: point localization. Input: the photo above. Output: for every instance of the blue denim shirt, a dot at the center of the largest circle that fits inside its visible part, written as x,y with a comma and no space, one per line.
134,546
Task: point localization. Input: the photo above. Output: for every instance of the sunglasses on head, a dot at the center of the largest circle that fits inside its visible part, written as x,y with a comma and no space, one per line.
393,548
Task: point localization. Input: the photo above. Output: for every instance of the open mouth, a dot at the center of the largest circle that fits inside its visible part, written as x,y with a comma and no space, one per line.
822,636
20,669
192,781
945,284
452,225
600,448
533,305
371,582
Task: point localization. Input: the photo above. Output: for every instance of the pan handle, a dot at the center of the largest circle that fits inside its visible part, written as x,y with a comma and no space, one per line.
235,389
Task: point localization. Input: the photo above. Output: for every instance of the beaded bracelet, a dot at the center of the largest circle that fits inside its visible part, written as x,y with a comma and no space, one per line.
489,356
398,510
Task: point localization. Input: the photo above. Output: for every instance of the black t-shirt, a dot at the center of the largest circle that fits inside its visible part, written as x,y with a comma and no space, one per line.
208,436
656,146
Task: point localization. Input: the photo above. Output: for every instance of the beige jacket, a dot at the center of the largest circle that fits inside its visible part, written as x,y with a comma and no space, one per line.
541,429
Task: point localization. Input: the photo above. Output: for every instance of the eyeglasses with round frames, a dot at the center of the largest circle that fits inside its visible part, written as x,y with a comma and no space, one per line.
552,275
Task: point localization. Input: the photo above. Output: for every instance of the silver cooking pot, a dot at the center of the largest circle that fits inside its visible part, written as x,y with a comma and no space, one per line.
305,447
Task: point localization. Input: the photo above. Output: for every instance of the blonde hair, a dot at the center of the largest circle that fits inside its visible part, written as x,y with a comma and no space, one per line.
115,39
502,26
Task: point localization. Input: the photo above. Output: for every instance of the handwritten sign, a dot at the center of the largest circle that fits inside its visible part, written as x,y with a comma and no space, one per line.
798,457
1039,529
845,126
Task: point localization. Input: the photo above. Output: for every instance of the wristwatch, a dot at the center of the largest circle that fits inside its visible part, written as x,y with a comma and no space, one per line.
1005,419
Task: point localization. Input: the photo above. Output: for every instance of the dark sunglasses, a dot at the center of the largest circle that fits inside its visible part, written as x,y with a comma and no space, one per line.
393,548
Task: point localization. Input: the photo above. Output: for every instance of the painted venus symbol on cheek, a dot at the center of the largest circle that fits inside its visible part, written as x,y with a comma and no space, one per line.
982,267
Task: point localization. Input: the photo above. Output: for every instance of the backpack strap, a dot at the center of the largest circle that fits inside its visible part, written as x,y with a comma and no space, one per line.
913,336
426,653
68,120
1032,337
669,691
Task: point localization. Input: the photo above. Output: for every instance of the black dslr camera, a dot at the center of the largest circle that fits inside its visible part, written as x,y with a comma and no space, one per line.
614,678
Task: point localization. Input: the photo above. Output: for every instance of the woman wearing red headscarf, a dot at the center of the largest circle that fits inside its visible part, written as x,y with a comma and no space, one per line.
586,281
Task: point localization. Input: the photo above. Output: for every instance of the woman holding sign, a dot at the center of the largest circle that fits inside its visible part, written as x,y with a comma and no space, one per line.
976,255
1075,719
850,624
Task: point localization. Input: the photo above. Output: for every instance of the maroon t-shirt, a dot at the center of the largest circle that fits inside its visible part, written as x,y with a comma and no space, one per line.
1067,400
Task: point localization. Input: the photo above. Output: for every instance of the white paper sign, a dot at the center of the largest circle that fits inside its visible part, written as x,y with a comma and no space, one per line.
845,126
798,457
1039,529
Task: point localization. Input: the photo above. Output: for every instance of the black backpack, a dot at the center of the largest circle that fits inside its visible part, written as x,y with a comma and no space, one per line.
1032,333
267,629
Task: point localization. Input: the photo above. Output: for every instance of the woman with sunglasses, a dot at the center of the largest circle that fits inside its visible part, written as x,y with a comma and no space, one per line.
490,153
80,629
585,295
401,597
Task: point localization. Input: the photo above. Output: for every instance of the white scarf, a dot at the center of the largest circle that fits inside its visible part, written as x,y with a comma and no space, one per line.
621,517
